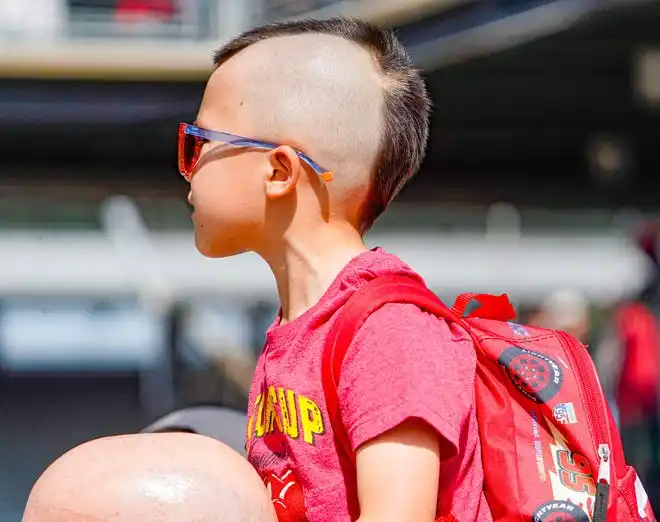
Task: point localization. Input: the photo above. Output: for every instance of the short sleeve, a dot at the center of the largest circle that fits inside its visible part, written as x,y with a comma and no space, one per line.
407,364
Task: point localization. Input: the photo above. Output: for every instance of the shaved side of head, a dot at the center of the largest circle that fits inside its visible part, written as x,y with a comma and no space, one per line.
169,477
342,91
316,92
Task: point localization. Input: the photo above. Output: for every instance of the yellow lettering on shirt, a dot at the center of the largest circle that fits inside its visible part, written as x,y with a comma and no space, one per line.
282,410
271,415
310,418
287,400
261,427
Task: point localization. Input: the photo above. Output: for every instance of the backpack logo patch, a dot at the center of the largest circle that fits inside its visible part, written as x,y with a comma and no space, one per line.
537,376
559,510
565,413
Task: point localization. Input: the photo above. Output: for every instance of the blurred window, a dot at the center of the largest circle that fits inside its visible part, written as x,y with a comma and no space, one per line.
180,19
285,8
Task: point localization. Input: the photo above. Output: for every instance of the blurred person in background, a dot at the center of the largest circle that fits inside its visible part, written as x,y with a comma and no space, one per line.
566,310
168,477
531,314
648,240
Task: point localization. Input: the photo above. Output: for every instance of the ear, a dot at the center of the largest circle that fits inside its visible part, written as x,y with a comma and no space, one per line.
284,173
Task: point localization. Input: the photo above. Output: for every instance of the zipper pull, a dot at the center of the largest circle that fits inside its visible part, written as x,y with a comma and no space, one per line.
603,485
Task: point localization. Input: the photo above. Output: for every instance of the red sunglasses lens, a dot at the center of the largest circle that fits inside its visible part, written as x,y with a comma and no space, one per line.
189,148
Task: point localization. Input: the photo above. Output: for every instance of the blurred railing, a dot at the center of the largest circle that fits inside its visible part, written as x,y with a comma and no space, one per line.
53,250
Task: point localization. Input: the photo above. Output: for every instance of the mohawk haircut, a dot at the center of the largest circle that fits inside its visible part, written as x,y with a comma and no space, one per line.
406,110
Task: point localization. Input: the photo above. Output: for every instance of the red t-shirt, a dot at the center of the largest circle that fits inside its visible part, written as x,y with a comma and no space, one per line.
402,364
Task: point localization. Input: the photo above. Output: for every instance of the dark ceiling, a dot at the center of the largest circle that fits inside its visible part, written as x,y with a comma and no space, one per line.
510,125
532,109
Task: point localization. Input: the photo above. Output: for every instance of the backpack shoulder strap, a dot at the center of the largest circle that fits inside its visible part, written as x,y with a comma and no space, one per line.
365,301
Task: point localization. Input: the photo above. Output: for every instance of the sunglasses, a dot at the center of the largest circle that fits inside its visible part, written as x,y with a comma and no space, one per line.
193,138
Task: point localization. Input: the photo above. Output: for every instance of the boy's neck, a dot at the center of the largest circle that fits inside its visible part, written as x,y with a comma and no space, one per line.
306,267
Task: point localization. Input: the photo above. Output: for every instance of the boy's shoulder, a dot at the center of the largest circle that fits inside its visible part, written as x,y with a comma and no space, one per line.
394,324
400,324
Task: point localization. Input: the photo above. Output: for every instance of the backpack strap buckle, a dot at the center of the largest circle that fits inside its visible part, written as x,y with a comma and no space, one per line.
496,307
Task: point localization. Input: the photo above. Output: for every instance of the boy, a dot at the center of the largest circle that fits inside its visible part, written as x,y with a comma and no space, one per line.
328,121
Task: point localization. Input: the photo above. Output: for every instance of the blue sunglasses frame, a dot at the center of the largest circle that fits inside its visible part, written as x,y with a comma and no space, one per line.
188,161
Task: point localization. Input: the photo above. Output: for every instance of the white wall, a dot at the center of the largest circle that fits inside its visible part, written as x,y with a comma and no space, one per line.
605,267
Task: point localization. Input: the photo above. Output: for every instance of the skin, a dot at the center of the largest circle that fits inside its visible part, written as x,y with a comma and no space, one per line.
326,99
172,477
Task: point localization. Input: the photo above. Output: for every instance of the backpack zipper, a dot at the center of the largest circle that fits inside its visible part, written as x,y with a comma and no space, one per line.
593,396
603,484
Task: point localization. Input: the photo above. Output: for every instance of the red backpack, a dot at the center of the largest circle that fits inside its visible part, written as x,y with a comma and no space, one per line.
550,448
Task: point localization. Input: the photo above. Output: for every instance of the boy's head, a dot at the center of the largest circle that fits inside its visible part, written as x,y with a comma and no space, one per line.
342,92
170,477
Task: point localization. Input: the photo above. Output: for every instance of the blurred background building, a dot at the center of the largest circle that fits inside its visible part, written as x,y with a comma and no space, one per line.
541,169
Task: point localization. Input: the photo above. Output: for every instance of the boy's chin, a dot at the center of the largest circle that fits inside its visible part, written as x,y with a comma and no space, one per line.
217,249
